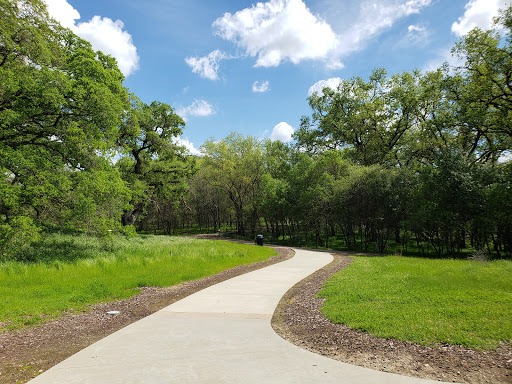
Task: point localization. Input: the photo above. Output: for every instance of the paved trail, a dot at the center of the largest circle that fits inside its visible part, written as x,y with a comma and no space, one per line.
221,334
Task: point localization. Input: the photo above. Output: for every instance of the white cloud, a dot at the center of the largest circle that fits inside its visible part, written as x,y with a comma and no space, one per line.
318,87
199,108
207,66
282,132
109,37
184,142
479,13
335,64
417,34
276,31
415,28
104,34
286,30
260,88
374,18
63,12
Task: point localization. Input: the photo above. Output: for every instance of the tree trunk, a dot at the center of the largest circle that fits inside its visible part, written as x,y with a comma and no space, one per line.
130,217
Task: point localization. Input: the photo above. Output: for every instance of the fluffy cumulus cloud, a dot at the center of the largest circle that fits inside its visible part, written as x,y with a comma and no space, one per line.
286,30
276,31
63,12
479,13
199,108
104,34
109,37
262,87
318,87
207,66
282,132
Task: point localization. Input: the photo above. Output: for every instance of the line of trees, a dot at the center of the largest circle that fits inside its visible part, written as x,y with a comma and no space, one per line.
413,158
313,198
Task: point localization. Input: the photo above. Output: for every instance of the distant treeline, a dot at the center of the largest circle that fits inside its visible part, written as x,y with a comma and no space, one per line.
414,159
442,208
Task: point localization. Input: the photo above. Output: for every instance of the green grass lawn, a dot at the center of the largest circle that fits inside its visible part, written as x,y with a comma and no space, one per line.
424,301
72,271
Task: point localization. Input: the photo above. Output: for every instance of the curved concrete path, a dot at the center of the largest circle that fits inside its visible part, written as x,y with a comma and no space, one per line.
221,334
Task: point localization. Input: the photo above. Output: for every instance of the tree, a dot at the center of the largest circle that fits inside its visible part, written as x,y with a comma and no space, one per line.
374,121
57,94
61,104
482,89
154,166
448,198
235,164
208,203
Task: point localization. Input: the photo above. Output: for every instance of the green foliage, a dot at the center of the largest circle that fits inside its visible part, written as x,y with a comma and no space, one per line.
16,236
61,105
154,167
68,272
482,89
374,201
424,301
496,222
57,95
235,166
411,156
446,201
378,121
64,112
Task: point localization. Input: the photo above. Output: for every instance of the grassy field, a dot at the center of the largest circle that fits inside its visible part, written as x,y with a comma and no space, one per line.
424,301
72,271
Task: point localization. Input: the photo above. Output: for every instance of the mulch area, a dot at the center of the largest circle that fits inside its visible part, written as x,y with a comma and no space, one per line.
298,320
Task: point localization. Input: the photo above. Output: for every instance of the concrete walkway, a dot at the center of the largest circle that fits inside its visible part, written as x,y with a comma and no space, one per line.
221,334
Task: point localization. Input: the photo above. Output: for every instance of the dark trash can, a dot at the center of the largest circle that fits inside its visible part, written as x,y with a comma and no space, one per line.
259,239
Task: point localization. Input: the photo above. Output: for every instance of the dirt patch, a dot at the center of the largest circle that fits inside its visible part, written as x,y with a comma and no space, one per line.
27,353
298,320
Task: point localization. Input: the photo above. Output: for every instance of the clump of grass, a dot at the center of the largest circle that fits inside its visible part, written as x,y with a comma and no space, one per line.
424,301
77,271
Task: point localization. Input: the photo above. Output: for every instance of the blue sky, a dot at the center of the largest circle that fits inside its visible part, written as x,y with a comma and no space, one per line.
243,66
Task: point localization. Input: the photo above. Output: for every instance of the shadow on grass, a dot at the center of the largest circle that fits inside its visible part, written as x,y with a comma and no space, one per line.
61,247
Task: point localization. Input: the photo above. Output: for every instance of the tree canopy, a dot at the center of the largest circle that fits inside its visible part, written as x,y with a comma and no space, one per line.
415,159
64,115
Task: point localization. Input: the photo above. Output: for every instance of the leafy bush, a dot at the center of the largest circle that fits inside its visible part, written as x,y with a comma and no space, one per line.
16,235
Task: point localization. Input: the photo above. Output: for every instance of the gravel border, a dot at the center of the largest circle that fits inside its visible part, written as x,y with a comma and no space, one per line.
299,320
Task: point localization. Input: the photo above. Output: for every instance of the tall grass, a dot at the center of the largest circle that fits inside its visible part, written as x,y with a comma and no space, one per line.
66,272
424,301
